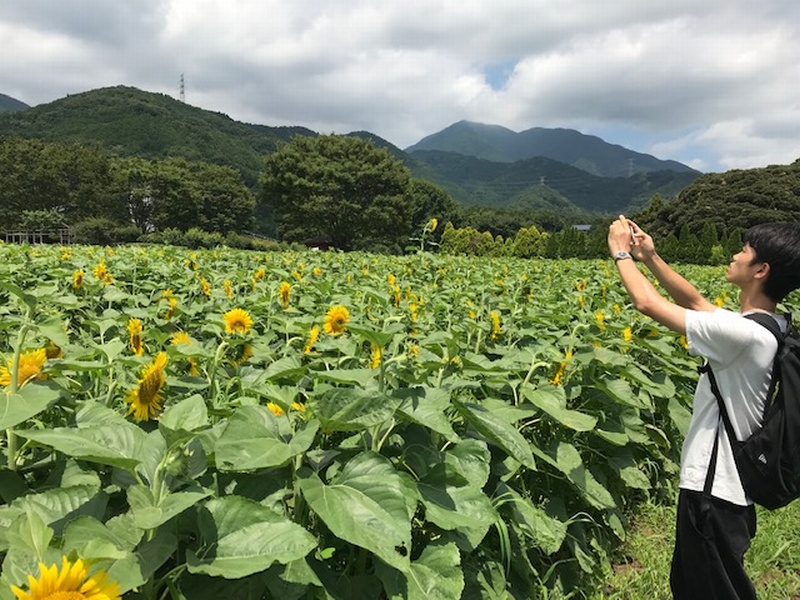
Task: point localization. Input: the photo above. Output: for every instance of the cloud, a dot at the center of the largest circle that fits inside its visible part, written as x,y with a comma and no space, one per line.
710,83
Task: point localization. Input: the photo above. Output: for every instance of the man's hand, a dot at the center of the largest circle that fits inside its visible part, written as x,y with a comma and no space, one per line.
620,237
644,248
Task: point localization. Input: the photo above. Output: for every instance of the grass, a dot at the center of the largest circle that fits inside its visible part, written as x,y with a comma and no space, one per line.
642,571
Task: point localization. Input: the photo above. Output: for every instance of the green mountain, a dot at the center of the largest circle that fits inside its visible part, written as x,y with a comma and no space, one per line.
126,121
9,104
129,122
586,152
540,180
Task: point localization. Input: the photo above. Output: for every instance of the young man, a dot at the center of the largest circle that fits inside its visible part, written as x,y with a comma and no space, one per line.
713,531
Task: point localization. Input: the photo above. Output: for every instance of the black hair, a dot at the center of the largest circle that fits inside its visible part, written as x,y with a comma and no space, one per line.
777,244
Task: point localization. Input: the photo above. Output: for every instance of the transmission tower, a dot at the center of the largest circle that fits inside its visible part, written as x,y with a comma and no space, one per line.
183,89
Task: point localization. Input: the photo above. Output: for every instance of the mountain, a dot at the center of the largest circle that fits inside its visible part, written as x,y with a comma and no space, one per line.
474,180
127,121
9,104
586,152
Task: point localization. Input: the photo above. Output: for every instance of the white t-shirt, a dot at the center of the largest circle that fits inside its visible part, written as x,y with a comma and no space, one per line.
740,352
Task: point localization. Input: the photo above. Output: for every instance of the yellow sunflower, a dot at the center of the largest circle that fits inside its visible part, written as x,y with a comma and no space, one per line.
145,398
313,336
228,288
30,367
275,408
135,336
205,288
72,583
77,279
237,320
495,317
336,319
180,337
284,293
377,357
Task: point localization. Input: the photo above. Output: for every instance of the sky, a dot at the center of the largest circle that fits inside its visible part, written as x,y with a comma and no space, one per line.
714,84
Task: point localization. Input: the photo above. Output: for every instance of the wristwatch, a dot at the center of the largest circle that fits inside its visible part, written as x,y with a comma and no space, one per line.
622,256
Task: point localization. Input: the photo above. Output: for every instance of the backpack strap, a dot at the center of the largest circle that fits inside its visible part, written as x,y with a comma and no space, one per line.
769,323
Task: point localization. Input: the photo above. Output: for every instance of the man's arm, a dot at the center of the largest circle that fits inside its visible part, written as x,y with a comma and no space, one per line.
643,294
683,292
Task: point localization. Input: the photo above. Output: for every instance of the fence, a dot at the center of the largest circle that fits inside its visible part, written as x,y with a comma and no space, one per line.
61,236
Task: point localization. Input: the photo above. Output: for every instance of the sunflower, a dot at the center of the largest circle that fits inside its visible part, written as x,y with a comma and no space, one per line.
237,320
30,366
284,293
336,319
495,316
562,367
72,583
275,408
180,337
145,398
376,359
228,288
135,336
313,336
77,279
205,288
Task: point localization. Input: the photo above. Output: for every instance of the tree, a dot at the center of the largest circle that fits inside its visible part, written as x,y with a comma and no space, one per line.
340,188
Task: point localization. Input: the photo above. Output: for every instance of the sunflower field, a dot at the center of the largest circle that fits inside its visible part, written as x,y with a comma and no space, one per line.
234,424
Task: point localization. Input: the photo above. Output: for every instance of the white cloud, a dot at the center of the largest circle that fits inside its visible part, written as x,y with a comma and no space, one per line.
708,83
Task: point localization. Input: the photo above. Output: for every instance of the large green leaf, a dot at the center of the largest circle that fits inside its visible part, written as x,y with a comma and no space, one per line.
464,509
93,541
115,445
435,575
553,401
352,409
368,504
255,438
31,399
625,465
58,506
499,432
427,407
242,537
149,514
546,532
570,463
620,391
187,415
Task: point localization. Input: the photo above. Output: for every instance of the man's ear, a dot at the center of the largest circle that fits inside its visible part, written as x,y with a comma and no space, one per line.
763,271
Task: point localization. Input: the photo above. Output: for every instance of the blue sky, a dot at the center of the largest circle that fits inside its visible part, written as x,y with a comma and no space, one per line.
712,84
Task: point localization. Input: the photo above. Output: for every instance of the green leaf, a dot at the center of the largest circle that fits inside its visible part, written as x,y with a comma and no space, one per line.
53,329
626,467
254,438
147,514
553,401
189,414
368,504
546,532
242,537
289,368
31,399
501,433
464,509
92,540
471,459
620,390
352,409
30,534
570,463
112,445
28,299
358,377
57,506
427,407
436,575
379,338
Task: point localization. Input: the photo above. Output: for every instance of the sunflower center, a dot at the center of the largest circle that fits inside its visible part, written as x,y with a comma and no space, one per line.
60,595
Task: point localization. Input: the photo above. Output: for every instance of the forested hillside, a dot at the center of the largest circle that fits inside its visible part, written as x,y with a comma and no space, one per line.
129,122
732,200
8,104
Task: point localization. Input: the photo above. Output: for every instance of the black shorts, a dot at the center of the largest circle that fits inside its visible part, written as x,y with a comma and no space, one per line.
711,537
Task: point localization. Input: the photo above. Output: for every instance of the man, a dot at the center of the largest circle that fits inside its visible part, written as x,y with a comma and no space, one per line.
714,530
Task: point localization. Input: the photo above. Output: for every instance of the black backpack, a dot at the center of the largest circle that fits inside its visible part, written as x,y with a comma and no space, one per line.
769,460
